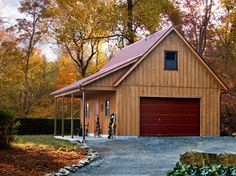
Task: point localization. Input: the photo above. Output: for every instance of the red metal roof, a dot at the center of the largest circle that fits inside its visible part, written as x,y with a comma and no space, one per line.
122,57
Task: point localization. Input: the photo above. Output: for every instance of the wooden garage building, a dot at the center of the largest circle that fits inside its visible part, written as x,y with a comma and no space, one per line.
158,86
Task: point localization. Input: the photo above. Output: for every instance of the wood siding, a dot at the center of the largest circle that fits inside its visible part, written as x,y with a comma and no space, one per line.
99,98
100,91
149,79
108,81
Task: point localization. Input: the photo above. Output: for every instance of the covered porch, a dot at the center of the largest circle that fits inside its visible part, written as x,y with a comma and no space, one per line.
93,103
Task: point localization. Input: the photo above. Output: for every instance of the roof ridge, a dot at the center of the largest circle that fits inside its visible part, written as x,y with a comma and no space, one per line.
145,38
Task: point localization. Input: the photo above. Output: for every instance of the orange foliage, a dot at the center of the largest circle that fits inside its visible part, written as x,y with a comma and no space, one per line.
67,72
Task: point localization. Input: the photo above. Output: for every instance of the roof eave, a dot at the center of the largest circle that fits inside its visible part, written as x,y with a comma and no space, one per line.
66,92
109,72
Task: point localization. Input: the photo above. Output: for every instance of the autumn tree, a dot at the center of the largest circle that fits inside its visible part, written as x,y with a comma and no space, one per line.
79,27
66,71
226,30
196,21
224,53
137,16
42,76
10,74
225,64
30,30
208,25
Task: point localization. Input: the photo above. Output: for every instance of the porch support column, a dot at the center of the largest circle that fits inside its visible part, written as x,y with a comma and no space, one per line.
83,114
62,117
72,119
55,116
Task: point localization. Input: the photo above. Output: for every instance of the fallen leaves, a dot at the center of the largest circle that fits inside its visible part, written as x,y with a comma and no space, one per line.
35,161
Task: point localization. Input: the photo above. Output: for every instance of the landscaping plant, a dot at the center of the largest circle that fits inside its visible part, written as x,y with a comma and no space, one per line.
7,128
210,170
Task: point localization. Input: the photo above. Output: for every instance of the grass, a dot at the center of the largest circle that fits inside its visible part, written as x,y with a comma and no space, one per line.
44,141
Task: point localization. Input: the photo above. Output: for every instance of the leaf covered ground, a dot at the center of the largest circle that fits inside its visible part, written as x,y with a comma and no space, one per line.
35,158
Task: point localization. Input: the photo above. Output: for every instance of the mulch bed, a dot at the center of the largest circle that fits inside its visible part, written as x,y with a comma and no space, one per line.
24,161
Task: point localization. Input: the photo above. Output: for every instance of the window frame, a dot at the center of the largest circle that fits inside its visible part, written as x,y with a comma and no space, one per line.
171,69
107,108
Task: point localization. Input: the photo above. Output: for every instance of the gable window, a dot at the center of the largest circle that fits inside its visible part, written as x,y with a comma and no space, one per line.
87,109
171,60
107,107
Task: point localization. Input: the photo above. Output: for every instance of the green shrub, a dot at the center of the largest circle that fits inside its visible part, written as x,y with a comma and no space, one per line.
30,126
205,164
210,170
7,128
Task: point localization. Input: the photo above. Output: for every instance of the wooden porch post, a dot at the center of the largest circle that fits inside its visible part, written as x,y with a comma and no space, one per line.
62,118
72,111
55,116
83,114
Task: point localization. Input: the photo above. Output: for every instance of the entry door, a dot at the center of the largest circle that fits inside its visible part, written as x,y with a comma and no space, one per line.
169,117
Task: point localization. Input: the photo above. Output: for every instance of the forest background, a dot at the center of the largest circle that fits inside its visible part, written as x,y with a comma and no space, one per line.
85,34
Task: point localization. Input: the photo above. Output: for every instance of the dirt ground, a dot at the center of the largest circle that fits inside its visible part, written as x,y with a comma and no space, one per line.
34,161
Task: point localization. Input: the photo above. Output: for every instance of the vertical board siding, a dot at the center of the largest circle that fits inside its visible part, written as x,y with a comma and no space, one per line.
129,114
109,80
104,121
100,96
149,79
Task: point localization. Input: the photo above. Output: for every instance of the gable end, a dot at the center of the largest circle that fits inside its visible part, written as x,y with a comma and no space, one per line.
187,44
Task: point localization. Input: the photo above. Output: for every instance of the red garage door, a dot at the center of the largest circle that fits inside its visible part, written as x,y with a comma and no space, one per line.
169,117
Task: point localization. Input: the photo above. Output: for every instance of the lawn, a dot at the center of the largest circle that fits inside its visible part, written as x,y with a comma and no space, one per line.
38,154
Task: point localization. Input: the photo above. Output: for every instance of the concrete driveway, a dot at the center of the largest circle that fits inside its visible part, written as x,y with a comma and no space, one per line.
149,156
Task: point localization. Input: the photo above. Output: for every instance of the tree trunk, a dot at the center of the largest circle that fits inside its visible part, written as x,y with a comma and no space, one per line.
25,109
203,30
83,72
130,32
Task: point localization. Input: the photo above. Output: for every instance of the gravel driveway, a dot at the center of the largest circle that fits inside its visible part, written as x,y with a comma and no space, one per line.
149,156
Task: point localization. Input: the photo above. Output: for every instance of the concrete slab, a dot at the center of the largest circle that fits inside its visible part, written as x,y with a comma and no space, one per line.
80,139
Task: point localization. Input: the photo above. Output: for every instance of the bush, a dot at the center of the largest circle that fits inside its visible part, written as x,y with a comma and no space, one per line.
29,126
205,164
7,128
211,170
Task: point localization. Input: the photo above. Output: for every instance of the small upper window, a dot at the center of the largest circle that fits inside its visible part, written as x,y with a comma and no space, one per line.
107,107
87,109
171,60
